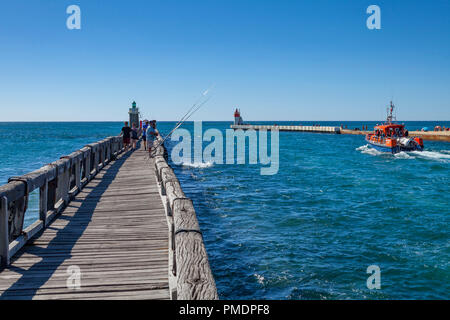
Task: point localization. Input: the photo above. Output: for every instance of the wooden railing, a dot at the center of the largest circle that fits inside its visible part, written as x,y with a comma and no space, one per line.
190,265
58,182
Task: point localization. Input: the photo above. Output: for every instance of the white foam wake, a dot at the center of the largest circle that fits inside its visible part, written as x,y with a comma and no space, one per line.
444,155
432,155
260,278
403,155
368,150
200,165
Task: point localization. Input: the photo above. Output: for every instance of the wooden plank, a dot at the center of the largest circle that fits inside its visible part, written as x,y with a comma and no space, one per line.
195,280
4,239
114,230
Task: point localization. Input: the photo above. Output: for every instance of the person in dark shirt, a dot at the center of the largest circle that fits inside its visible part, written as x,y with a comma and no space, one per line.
126,135
134,136
144,133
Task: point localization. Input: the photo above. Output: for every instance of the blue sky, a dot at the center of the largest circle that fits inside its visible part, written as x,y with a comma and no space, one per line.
276,60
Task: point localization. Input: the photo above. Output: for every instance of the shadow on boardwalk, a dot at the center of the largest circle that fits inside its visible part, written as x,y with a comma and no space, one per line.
39,273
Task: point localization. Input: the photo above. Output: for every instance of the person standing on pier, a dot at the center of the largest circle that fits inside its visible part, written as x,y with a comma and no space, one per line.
144,133
152,133
134,136
126,131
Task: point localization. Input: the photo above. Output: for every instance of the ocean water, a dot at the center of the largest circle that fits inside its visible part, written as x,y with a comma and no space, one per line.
25,147
309,232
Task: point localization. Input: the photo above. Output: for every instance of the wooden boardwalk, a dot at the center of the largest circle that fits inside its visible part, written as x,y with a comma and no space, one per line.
115,231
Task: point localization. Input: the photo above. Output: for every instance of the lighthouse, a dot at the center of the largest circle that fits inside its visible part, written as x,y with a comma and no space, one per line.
237,117
134,115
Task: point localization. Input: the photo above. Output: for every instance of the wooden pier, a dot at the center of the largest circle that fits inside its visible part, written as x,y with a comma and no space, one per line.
113,224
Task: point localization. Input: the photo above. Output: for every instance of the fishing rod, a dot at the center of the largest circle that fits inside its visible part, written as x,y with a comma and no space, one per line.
184,118
193,109
187,117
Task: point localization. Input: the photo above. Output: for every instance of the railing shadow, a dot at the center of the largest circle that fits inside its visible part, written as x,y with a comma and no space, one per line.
34,277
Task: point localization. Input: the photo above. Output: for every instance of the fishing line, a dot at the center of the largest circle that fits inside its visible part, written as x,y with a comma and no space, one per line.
196,102
183,121
192,110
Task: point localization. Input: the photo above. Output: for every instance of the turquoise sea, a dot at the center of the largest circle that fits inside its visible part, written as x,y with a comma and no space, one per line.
309,232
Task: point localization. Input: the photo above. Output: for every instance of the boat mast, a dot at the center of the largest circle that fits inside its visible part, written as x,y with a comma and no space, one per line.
390,111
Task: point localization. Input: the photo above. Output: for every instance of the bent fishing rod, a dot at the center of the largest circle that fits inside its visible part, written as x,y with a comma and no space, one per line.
193,109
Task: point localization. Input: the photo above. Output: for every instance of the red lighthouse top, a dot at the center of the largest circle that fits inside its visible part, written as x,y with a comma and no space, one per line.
237,113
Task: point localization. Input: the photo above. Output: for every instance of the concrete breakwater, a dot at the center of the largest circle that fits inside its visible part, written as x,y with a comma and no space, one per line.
317,129
425,135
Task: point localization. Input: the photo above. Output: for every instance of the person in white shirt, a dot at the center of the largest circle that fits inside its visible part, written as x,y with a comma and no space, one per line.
152,133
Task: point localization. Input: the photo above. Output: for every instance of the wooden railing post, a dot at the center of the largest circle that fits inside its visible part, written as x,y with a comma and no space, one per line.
112,147
4,232
96,159
87,165
63,185
105,153
51,193
43,202
101,152
18,209
109,144
78,173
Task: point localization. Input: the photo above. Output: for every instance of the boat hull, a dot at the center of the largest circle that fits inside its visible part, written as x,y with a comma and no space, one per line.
395,149
384,148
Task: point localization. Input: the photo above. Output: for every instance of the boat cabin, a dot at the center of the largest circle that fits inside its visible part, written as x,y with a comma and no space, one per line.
390,130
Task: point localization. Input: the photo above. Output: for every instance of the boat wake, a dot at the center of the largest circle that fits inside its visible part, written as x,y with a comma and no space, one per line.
368,150
403,155
443,156
432,155
199,165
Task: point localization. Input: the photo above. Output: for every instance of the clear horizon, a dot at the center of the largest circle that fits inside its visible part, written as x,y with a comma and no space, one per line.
294,59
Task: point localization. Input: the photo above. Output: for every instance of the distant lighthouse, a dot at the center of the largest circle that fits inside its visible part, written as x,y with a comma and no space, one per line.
134,115
237,117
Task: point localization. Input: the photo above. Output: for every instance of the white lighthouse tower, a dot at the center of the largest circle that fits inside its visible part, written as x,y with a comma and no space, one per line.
134,115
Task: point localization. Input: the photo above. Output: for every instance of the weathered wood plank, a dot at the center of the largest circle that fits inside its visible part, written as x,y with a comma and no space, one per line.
188,257
114,230
194,277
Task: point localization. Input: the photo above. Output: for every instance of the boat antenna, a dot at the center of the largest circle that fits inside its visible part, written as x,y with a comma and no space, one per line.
390,111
